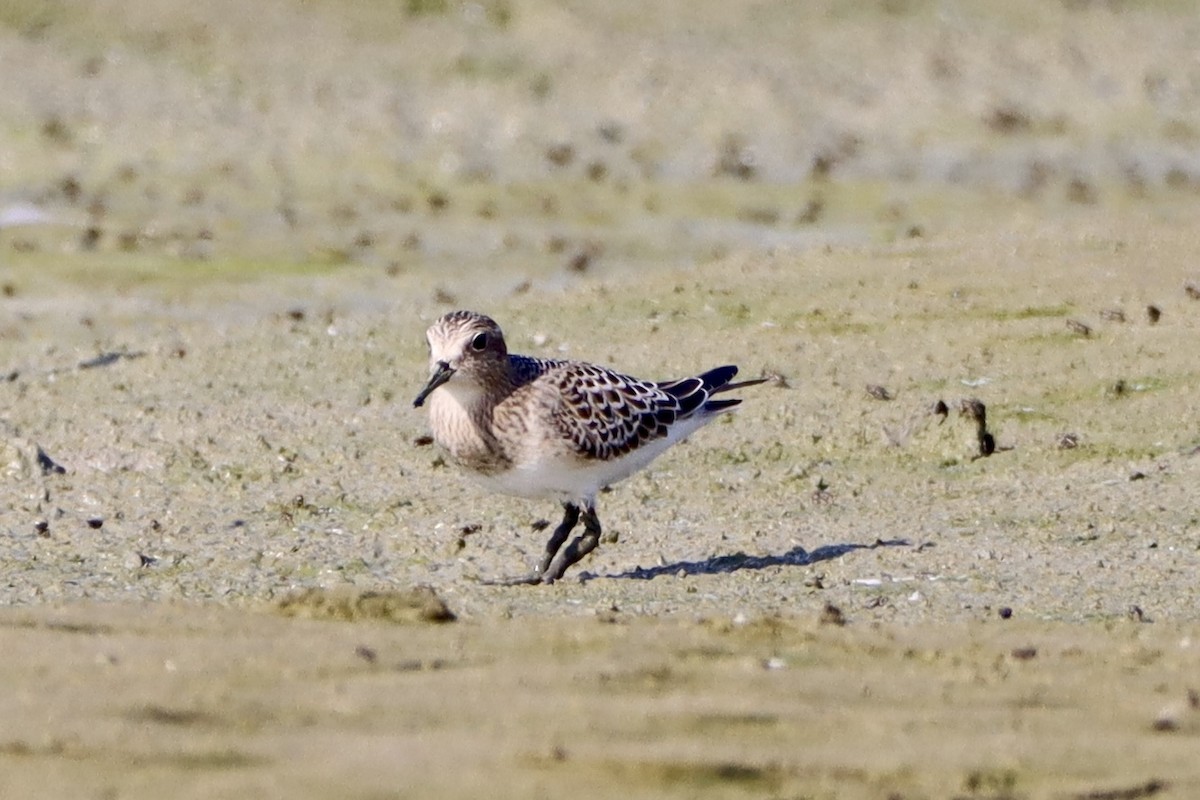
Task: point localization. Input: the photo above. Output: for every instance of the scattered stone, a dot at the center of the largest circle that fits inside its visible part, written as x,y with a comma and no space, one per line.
822,166
1080,328
1067,441
48,465
560,155
610,132
1180,716
811,213
90,239
1008,119
821,494
832,615
597,171
112,357
583,258
735,159
977,411
879,392
1081,191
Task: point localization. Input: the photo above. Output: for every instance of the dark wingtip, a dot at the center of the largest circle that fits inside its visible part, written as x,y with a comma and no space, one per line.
714,406
718,380
695,393
718,377
721,377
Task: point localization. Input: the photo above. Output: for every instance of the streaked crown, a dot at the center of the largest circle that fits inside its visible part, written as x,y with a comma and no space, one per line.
460,338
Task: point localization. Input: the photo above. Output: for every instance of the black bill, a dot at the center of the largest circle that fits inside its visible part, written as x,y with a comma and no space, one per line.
440,376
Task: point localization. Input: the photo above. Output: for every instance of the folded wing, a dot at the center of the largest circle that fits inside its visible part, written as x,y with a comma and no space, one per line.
607,414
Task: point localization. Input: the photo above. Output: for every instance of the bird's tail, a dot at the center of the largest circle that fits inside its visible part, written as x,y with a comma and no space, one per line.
694,393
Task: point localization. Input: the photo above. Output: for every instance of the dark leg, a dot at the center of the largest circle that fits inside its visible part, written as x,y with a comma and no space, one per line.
570,518
577,549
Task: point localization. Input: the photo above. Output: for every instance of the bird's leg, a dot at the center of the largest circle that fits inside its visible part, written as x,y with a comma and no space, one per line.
570,518
576,550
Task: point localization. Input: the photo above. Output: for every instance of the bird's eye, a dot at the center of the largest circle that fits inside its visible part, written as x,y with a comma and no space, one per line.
480,342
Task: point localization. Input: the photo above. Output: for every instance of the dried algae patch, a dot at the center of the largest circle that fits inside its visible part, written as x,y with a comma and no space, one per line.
420,604
677,776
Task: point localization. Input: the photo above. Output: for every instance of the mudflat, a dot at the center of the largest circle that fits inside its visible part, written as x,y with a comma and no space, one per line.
948,550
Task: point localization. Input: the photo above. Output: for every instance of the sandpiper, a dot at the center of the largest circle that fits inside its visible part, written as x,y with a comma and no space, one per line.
549,428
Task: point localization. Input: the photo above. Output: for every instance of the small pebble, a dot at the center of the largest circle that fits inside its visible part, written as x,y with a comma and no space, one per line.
1068,441
1080,328
832,615
879,392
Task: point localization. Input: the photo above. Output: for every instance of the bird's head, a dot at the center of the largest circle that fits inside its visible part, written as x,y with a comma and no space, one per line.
466,348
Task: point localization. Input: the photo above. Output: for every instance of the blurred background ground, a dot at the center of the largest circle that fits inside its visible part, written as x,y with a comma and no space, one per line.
539,137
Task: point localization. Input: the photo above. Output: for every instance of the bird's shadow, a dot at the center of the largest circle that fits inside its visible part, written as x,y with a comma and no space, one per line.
735,562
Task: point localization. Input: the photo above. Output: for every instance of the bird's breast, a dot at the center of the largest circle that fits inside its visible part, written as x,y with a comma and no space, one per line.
465,433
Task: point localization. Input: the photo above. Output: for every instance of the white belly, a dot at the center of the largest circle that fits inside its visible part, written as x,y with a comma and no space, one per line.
568,479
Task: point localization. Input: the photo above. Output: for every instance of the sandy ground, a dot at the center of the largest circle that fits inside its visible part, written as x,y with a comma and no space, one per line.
215,499
203,701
